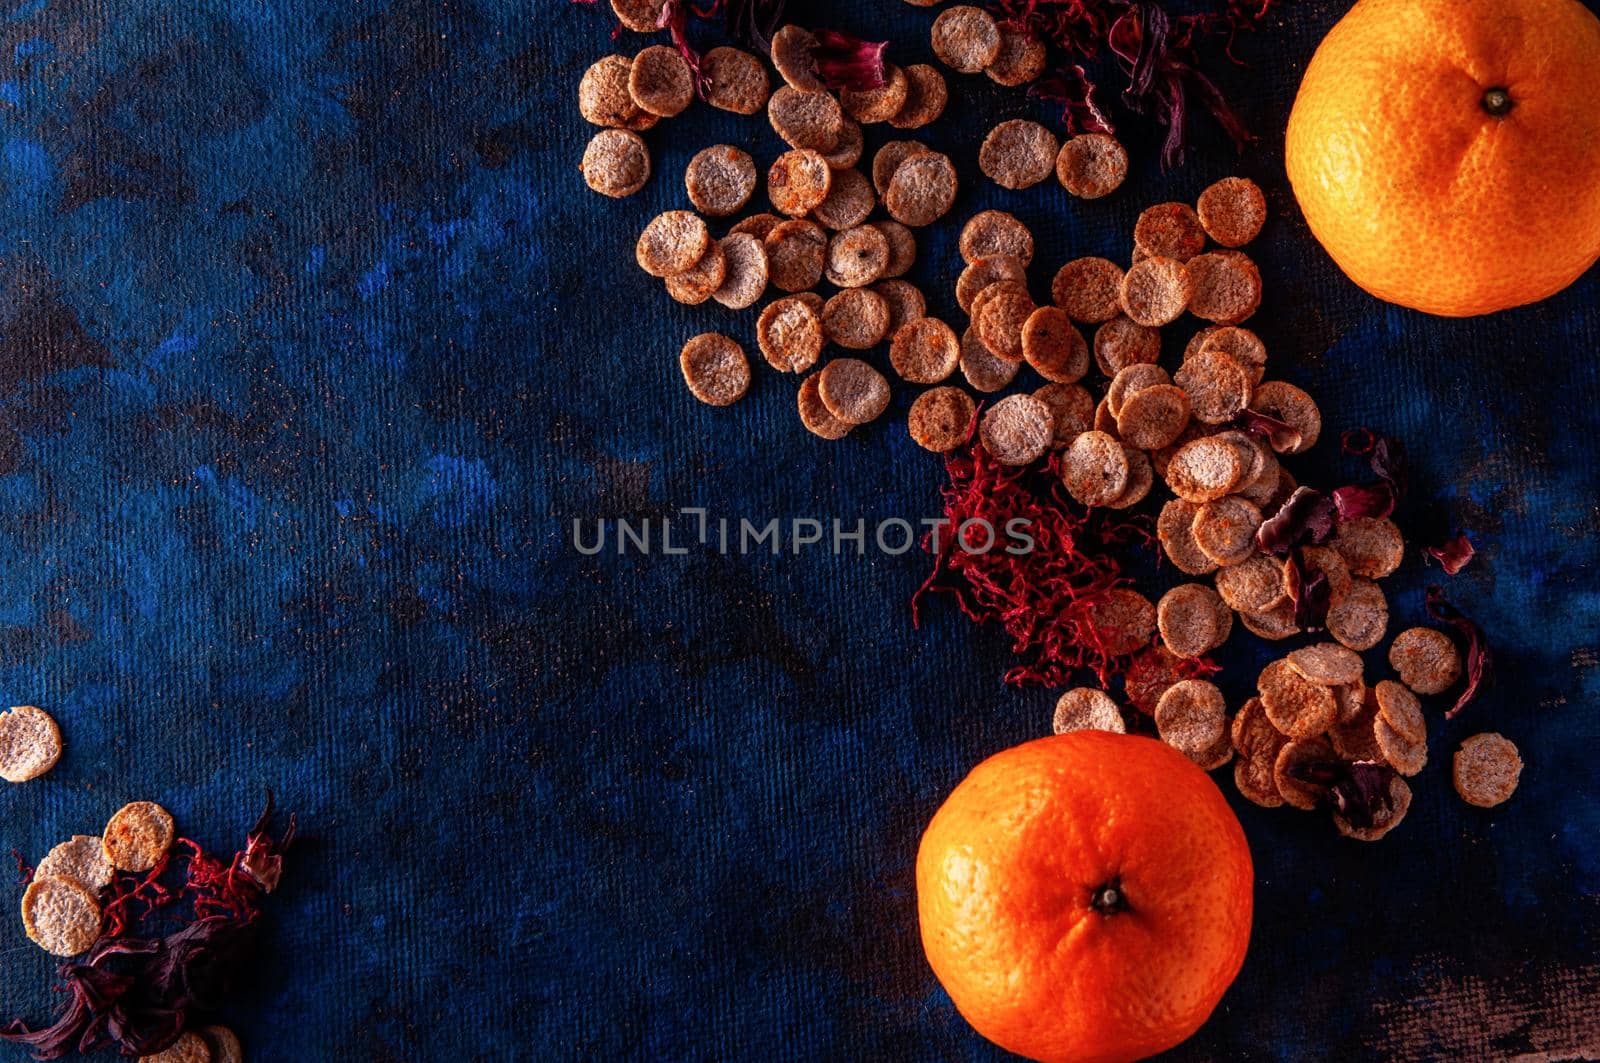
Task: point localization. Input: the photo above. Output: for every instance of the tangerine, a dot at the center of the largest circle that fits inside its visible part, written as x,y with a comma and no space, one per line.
1085,897
1447,155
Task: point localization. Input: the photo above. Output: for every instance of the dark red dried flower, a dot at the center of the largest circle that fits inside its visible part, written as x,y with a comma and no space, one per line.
1281,436
1310,592
1364,500
1071,88
749,22
1480,662
137,989
846,62
1452,554
1306,516
1358,790
1043,598
675,20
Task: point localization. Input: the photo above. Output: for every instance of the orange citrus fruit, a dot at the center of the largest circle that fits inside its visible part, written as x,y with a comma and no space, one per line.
1447,154
1085,897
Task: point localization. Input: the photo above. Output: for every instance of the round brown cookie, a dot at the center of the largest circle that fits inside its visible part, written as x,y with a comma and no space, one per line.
906,304
697,283
757,225
1131,380
1371,546
941,419
848,200
1227,287
641,16
999,320
1191,717
966,39
1253,734
603,97
1295,705
1263,489
810,120
995,232
1156,291
982,369
1351,699
1095,469
796,252
1092,165
1104,420
1238,343
848,148
660,81
1122,342
1254,779
1088,289
1071,411
853,391
1384,819
982,272
1327,663
1354,739
926,96
82,859
869,106
856,318
1294,407
888,160
616,163
1232,211
1018,154
902,247
1219,388
1400,708
715,368
1175,531
1087,709
138,835
1361,618
1151,674
1404,755
1011,289
798,182
1124,620
1198,340
224,1044
1253,585
1287,771
789,334
735,80
925,351
190,1047
1017,430
1141,477
1275,623
720,180
745,278
857,257
1169,230
1225,528
1192,620
1021,57
1056,350
813,300
1152,417
1426,660
922,189
30,743
792,54
1324,560
814,415
1163,458
60,916
1486,770
672,243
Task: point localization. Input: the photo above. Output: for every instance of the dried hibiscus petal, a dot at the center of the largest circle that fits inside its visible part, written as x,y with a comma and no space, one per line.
1310,591
1480,662
1071,88
1281,436
846,62
1364,500
1452,554
1306,516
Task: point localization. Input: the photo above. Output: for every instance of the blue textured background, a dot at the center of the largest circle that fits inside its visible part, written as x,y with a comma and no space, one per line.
312,345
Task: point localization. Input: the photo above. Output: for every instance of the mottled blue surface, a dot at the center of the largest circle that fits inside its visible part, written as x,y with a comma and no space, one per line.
312,345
